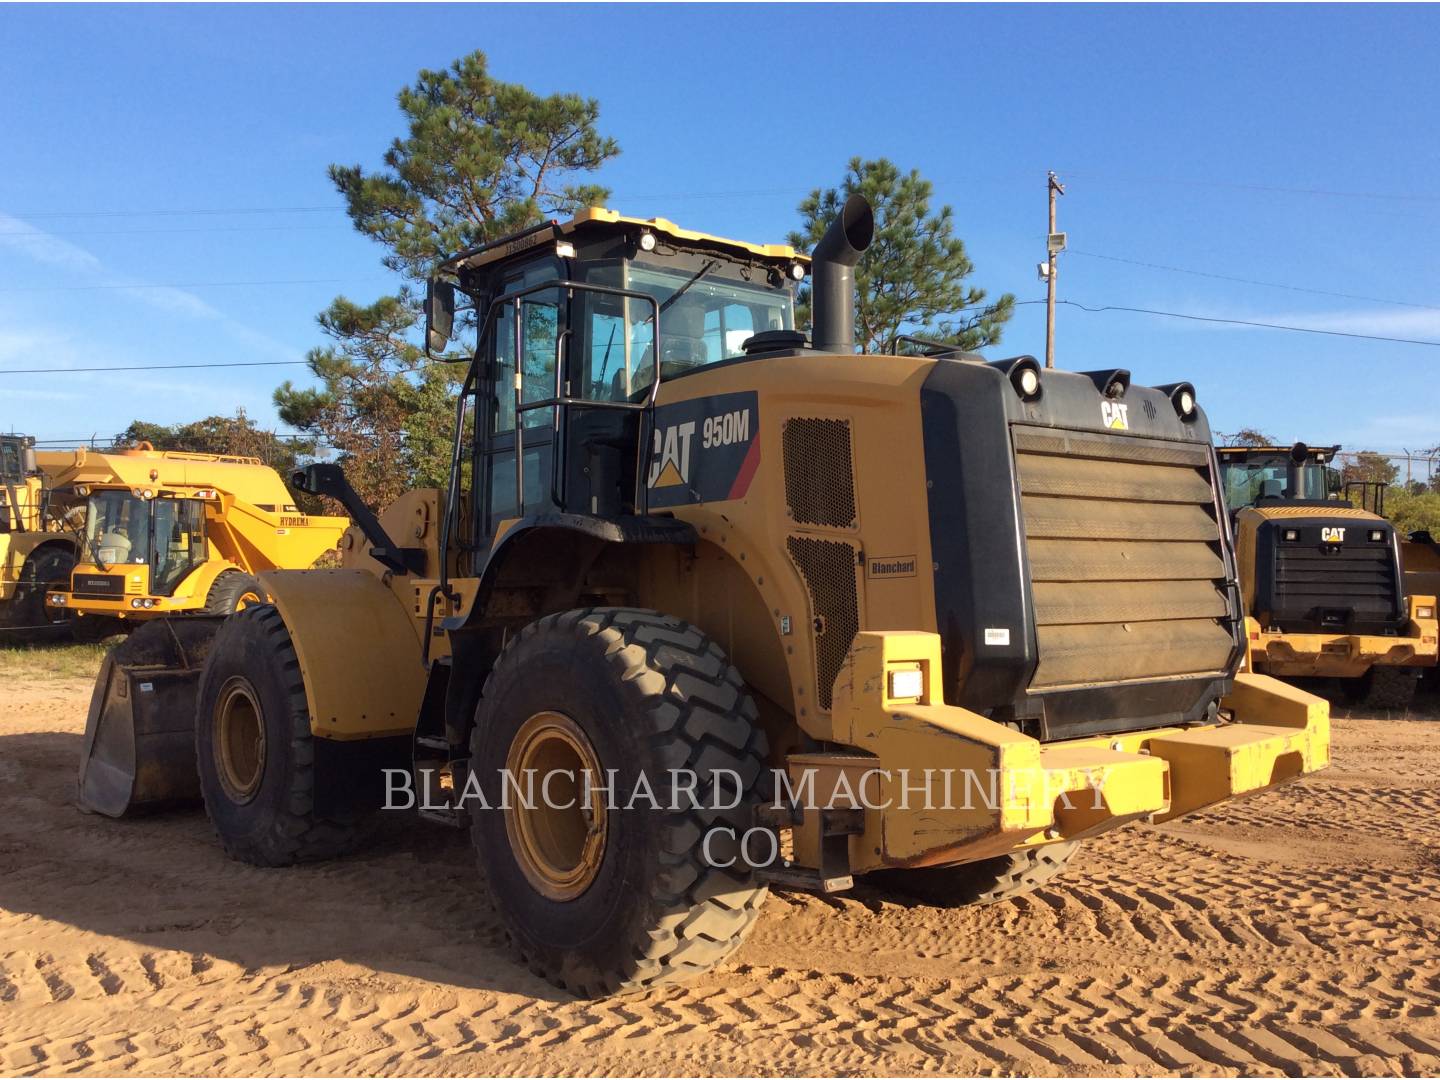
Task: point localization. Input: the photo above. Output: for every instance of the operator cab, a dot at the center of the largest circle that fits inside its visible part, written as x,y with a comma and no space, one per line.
1253,475
130,531
578,304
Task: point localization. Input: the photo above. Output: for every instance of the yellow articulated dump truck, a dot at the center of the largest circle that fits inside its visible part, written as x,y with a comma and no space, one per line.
710,605
37,549
1322,580
167,532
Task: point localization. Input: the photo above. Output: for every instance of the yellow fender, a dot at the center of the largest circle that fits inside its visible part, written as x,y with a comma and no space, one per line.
358,651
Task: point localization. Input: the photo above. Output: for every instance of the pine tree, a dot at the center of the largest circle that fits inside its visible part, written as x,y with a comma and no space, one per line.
482,158
912,278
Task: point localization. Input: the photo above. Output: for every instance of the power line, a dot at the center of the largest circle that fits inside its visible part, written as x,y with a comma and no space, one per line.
1273,188
1238,322
179,213
1250,281
155,367
175,285
163,232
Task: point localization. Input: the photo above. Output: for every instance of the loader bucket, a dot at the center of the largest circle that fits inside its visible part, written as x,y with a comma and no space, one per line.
139,749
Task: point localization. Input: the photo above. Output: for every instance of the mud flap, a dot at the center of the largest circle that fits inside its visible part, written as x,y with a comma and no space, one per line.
139,747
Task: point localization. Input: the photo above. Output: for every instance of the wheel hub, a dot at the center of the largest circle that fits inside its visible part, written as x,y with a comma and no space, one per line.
556,833
239,740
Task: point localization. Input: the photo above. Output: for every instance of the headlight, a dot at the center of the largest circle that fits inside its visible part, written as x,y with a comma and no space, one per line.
907,683
56,598
1424,611
1292,535
137,602
1376,536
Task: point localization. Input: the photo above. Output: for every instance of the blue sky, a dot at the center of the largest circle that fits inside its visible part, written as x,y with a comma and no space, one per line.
1172,126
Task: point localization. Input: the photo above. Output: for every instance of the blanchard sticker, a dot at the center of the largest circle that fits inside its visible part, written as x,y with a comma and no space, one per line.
705,450
1115,414
890,566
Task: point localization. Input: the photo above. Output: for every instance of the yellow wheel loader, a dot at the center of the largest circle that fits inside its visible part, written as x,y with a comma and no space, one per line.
711,605
167,532
36,548
1322,579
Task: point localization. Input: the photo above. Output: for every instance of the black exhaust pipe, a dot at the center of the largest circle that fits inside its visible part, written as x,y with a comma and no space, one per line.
832,276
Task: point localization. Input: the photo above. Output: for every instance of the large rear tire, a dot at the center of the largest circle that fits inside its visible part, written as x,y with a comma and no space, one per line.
630,897
1384,687
979,883
254,750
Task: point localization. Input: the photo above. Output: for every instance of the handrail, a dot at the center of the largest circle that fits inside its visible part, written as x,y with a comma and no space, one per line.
563,401
933,348
567,401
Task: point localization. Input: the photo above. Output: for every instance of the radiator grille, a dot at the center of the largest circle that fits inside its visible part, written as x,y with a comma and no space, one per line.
1354,584
1128,579
829,570
819,472
98,586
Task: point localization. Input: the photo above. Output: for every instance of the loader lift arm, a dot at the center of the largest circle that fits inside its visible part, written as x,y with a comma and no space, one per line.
330,481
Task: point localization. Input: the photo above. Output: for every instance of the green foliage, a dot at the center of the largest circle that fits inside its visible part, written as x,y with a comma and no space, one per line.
481,159
1410,511
1247,436
1368,465
912,278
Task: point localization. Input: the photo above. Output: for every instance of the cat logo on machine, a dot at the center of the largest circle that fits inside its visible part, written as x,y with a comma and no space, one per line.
1332,534
705,450
1115,414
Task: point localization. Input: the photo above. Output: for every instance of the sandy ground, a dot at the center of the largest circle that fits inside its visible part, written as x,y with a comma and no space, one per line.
1298,932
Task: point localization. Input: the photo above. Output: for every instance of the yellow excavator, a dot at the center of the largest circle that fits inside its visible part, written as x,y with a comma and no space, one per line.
167,532
732,606
1322,580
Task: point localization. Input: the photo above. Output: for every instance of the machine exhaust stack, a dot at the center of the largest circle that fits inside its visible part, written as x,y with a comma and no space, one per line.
832,276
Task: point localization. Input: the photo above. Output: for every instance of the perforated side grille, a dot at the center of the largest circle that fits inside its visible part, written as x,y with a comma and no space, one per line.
819,476
828,567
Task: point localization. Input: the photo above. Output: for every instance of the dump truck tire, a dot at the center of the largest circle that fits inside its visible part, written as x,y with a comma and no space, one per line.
636,903
1384,687
232,591
48,566
979,883
254,750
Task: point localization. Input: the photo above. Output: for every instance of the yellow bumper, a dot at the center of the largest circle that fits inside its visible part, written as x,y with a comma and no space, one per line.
935,784
1348,655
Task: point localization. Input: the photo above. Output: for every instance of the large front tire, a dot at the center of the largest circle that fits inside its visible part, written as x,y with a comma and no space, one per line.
254,750
630,897
988,881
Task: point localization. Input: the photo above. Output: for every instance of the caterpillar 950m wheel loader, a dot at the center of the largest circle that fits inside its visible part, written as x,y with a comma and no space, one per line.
710,605
1322,580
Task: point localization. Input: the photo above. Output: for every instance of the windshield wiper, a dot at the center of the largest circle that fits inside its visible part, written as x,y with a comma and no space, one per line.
681,291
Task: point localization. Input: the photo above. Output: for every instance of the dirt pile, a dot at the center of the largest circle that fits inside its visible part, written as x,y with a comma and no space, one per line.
1296,932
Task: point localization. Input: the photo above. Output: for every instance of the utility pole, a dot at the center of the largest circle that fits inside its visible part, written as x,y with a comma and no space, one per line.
1054,244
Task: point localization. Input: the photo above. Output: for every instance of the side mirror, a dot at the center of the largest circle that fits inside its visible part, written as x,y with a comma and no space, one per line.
439,314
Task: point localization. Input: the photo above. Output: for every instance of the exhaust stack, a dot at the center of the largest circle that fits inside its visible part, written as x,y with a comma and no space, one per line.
832,276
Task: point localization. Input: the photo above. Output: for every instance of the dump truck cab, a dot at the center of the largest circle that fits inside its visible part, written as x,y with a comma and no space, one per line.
684,541
168,531
1321,578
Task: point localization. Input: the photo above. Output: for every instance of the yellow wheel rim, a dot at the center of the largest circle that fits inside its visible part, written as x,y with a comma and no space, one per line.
239,740
558,841
246,599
